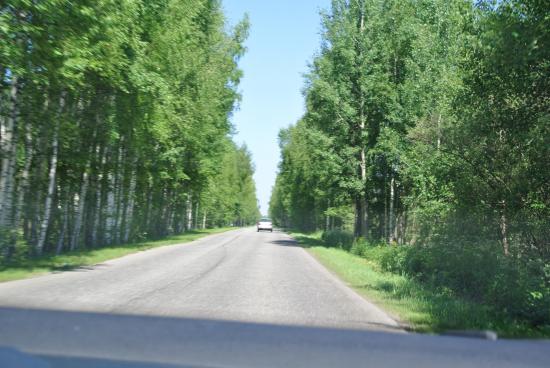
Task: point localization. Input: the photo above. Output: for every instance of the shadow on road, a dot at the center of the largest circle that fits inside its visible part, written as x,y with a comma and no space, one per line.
275,230
285,243
77,268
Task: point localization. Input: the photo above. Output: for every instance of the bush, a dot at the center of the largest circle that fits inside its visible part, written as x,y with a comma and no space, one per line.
359,247
478,273
7,237
472,270
338,239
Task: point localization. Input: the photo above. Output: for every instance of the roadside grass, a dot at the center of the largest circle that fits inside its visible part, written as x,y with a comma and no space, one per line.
21,267
418,306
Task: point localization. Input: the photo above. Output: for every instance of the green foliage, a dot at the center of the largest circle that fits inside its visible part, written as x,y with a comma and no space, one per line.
338,238
307,166
476,274
231,194
460,285
434,124
115,121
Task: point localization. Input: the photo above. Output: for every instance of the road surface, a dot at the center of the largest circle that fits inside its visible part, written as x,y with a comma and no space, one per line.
240,275
237,299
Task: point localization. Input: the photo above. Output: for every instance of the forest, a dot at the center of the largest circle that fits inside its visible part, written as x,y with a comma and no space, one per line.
115,123
427,135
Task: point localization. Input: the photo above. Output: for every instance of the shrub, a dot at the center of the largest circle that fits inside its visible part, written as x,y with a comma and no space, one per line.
468,268
7,236
476,272
338,239
359,247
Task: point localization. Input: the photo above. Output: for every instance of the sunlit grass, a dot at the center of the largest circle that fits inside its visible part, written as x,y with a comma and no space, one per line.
22,267
418,306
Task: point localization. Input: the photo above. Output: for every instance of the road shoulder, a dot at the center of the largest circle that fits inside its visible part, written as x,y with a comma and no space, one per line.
25,268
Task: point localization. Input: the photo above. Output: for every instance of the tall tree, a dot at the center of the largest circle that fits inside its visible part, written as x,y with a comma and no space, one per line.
114,119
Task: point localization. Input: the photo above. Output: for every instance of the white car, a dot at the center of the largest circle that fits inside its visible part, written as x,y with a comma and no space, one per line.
264,224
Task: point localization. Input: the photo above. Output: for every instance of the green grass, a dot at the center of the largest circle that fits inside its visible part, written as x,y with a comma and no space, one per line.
23,267
417,306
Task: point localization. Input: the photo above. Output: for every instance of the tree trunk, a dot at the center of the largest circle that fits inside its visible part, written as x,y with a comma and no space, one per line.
80,208
504,229
391,216
110,216
204,220
9,159
130,208
196,217
98,200
112,190
119,193
37,196
29,152
327,218
51,179
362,225
3,154
24,183
61,239
189,212
438,131
360,217
402,227
384,222
147,215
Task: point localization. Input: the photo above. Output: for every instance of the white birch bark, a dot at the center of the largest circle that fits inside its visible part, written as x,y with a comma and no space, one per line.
97,209
51,181
37,197
9,159
438,131
97,214
75,236
2,120
118,191
61,239
385,227
362,225
504,229
130,208
24,182
80,208
2,137
110,218
196,217
391,220
189,212
6,140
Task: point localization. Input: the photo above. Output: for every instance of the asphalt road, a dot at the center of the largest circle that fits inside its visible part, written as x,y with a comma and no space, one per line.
240,275
238,299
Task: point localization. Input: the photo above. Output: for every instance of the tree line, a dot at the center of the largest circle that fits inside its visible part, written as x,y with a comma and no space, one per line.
115,122
422,113
427,123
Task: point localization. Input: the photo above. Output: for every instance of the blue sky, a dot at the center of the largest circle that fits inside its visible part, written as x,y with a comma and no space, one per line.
284,36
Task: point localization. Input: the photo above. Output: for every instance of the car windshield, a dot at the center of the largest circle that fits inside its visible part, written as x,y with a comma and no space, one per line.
372,165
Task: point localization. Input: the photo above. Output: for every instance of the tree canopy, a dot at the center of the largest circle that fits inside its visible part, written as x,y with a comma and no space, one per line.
115,122
428,124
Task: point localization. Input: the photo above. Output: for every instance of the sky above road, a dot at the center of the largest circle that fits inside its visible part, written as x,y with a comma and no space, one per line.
284,36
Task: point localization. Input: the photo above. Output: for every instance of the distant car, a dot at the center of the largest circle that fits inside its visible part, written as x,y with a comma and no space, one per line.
264,224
